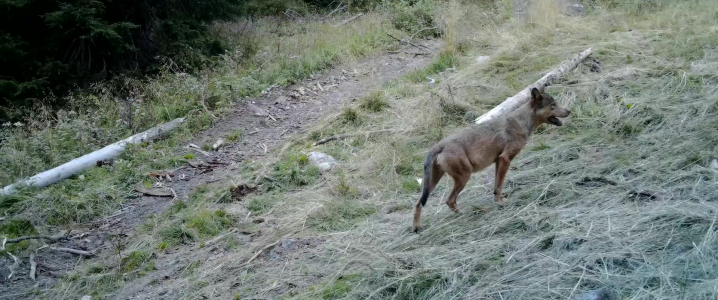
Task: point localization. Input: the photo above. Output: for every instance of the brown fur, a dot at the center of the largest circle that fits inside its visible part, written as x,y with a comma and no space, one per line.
496,141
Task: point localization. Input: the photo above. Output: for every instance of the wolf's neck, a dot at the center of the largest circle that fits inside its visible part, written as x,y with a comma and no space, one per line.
526,118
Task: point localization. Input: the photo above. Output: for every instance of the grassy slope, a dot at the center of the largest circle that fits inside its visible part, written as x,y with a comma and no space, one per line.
269,52
622,196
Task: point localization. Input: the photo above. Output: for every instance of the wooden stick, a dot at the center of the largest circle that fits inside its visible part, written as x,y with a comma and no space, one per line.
346,135
87,161
74,251
33,266
512,103
36,237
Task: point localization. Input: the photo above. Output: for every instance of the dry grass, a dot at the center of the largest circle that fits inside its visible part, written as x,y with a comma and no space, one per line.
622,196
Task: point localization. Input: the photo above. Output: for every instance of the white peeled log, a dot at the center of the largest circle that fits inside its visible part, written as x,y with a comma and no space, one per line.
512,103
87,161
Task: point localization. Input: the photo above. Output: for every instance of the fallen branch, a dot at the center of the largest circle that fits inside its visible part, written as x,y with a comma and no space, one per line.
90,160
53,239
74,251
346,135
349,20
198,149
512,103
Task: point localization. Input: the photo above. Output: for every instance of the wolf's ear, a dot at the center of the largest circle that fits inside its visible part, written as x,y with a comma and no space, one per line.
535,97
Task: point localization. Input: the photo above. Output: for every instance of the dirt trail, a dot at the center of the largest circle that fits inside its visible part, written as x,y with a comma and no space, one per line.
266,123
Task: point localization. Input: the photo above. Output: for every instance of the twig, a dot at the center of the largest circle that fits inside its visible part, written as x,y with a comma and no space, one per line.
33,266
339,7
263,249
349,20
174,194
198,149
406,42
73,251
346,135
420,30
407,52
54,238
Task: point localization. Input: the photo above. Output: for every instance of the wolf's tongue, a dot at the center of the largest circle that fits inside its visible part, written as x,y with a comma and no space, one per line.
555,121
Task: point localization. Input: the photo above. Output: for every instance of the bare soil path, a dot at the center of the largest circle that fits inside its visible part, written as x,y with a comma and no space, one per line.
266,123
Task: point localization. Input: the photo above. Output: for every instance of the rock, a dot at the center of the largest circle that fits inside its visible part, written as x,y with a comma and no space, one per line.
281,100
599,294
324,162
714,164
289,244
482,59
572,8
86,298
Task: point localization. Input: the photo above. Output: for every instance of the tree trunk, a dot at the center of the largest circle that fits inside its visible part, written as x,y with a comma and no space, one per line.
87,161
512,103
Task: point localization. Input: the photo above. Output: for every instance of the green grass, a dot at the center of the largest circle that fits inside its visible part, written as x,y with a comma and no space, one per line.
293,171
374,102
446,59
262,203
340,214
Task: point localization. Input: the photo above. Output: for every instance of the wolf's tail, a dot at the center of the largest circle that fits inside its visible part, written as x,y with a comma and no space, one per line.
428,165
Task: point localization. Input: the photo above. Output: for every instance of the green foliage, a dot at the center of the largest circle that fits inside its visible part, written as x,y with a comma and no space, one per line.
350,116
415,18
294,171
50,47
375,102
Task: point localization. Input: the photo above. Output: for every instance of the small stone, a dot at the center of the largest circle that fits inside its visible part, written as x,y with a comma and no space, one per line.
281,100
323,161
86,298
482,59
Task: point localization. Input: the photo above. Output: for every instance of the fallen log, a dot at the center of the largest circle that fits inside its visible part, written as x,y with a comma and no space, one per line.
512,103
87,161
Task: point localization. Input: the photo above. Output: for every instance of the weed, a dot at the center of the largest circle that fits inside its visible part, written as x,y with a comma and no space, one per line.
294,170
350,116
374,102
234,136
